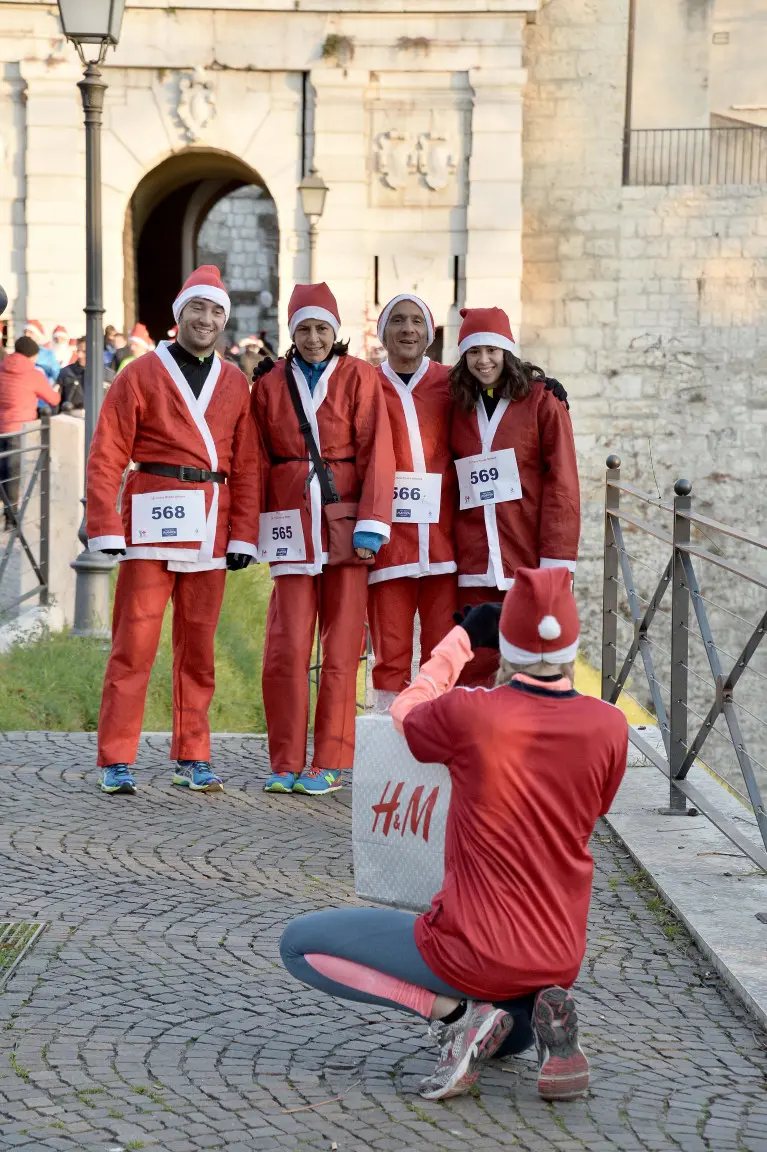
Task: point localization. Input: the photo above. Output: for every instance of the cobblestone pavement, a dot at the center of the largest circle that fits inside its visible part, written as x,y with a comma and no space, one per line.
154,1012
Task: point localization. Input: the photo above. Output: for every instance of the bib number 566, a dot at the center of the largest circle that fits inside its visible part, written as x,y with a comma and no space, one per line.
407,493
484,475
168,513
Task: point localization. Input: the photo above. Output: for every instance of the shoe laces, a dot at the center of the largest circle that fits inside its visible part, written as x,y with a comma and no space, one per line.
197,766
119,769
315,773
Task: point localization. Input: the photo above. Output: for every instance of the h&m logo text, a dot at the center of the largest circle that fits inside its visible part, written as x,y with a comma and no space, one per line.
415,812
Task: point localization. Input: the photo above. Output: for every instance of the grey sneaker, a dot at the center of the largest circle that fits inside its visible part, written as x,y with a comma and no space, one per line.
465,1045
563,1070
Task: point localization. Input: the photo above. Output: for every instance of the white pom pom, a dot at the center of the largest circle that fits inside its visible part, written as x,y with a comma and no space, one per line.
549,628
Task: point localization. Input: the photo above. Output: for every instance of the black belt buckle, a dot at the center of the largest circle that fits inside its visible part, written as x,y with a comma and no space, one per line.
185,474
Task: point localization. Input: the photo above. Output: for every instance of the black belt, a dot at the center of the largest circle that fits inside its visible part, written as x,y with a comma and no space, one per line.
182,472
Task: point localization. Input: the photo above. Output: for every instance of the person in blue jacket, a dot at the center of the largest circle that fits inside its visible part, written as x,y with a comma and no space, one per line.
46,358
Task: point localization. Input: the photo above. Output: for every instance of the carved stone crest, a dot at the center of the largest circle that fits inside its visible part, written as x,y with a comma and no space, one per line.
436,162
395,159
196,104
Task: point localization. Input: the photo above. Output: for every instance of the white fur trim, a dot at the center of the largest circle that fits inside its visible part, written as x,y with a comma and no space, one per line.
374,526
312,313
547,562
383,319
98,543
516,655
397,571
549,628
201,292
138,340
243,547
490,340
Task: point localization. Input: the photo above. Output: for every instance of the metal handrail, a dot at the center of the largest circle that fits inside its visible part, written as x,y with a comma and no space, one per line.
688,607
36,486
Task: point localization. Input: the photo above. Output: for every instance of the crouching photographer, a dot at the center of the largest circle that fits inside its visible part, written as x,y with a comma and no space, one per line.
533,766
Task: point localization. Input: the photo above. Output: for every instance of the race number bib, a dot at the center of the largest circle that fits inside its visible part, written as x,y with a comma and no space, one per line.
162,517
488,479
281,536
417,497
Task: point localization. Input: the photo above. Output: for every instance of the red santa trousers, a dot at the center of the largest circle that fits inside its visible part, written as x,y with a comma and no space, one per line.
143,590
392,605
480,672
338,596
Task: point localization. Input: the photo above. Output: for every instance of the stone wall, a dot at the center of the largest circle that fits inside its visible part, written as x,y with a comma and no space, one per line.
649,304
240,235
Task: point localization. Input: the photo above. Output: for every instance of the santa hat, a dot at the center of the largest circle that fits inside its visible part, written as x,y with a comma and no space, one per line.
61,331
488,326
204,284
313,302
383,319
36,327
249,342
539,620
139,335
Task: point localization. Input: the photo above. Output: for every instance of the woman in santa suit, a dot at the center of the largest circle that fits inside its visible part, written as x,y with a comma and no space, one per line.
519,498
342,400
416,570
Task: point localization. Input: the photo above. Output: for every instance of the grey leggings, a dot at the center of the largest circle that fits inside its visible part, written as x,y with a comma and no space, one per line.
382,939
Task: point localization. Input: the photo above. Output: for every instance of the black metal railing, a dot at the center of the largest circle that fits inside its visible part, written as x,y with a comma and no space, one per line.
736,155
25,496
652,622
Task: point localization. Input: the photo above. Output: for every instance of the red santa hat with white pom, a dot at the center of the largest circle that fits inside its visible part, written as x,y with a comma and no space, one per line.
485,326
313,302
539,620
204,284
383,319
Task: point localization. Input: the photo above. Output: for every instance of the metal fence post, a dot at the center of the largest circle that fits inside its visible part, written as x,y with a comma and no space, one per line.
610,583
680,642
45,506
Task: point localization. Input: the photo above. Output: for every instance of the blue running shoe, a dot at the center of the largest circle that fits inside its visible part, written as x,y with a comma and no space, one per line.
280,782
196,774
319,781
117,778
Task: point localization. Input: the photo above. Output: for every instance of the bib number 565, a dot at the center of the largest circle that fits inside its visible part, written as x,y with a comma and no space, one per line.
282,533
484,475
168,513
407,493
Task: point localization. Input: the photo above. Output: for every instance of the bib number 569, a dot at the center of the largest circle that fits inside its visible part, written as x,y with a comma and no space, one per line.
407,493
168,513
282,533
484,475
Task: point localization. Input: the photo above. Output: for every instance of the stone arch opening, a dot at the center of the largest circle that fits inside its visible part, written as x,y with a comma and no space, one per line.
202,207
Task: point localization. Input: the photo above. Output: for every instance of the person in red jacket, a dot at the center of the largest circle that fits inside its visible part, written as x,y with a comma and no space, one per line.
416,570
21,386
343,405
519,498
190,509
533,766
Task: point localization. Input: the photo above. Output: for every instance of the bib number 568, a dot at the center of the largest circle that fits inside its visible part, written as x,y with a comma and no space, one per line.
168,513
282,533
407,493
484,475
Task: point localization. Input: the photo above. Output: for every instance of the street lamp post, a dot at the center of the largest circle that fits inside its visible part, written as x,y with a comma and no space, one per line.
313,191
95,22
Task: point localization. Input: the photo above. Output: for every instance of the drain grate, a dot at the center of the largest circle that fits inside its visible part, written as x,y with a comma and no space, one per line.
16,938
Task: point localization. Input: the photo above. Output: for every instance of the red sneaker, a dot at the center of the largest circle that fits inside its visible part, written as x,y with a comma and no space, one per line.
563,1070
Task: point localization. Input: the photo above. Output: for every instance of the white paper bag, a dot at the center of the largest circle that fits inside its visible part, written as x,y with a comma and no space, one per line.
399,810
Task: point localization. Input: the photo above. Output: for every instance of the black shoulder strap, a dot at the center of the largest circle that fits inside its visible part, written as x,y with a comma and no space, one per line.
322,470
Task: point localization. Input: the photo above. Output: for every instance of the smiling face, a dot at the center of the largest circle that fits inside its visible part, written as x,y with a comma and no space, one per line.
485,364
199,326
314,340
406,336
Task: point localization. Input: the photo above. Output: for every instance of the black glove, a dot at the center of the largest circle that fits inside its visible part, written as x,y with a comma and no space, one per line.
481,624
262,368
554,386
236,561
112,551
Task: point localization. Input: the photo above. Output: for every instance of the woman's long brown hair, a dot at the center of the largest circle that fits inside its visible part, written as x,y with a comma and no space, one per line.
515,383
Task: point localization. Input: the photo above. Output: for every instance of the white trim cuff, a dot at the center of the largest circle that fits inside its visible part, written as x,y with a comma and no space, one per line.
374,526
548,562
99,543
243,547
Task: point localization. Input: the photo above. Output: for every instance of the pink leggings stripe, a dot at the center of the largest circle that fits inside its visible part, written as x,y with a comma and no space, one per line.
374,983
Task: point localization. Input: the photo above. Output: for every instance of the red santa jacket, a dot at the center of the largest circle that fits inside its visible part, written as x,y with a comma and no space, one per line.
533,767
150,415
419,414
540,530
347,412
21,386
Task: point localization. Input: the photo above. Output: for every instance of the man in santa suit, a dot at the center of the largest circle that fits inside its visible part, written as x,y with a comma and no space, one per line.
342,401
190,510
416,570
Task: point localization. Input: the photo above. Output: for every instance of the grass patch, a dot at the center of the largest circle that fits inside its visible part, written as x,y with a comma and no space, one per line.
53,682
19,1069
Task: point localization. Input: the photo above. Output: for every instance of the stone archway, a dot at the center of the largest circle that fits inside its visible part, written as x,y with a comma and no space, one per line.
202,206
